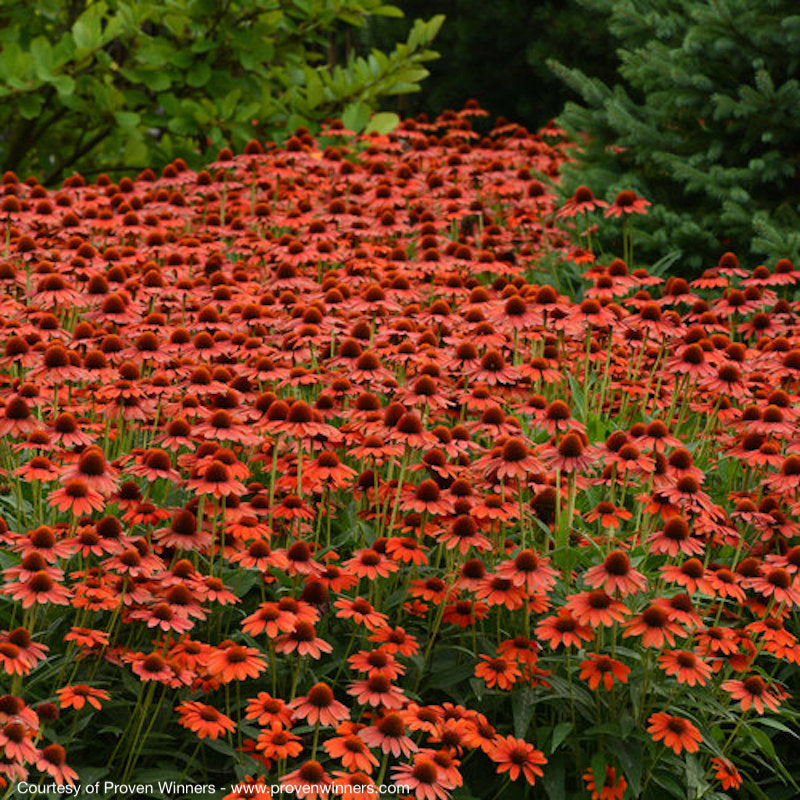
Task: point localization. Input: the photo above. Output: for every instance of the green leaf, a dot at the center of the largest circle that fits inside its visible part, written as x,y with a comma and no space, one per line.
598,764
127,120
198,74
554,778
136,152
356,116
523,707
388,11
383,123
65,85
315,92
30,105
560,732
86,30
629,754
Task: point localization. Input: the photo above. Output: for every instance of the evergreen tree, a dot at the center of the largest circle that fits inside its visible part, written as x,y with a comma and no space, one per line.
704,123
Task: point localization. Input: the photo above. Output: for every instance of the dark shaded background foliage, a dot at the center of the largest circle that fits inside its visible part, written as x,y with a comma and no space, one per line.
497,52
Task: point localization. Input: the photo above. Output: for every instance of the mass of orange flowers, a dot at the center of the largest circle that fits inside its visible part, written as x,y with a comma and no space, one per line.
314,473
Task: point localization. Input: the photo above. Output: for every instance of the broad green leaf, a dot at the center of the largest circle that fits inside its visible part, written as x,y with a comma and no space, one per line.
383,123
356,116
30,106
64,84
127,120
198,75
87,29
522,709
560,732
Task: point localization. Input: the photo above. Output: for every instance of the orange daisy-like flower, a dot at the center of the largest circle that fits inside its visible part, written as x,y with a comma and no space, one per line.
53,760
424,778
686,666
152,667
497,671
377,690
204,720
15,741
310,781
530,571
726,773
389,734
598,667
76,497
235,663
616,574
276,743
319,706
270,711
78,695
563,628
755,692
655,626
518,758
352,751
271,619
612,787
596,608
676,732
38,588
304,639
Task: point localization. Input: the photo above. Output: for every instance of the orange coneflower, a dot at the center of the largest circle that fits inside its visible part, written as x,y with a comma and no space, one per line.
388,733
610,516
518,758
304,639
596,608
15,740
686,666
352,751
271,619
76,497
377,662
530,571
309,781
40,587
612,787
778,583
616,574
233,662
30,651
599,667
267,710
368,563
424,778
361,612
676,732
395,640
319,706
655,626
204,720
563,628
726,773
53,760
377,690
754,691
77,695
497,671
276,743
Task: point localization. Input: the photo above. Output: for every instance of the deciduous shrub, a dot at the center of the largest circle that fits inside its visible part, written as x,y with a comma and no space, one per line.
117,84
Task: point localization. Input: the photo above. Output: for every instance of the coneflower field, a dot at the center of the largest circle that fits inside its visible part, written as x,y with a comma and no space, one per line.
322,477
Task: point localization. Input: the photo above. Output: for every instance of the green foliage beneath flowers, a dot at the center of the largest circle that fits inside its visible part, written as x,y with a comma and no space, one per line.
703,122
128,84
